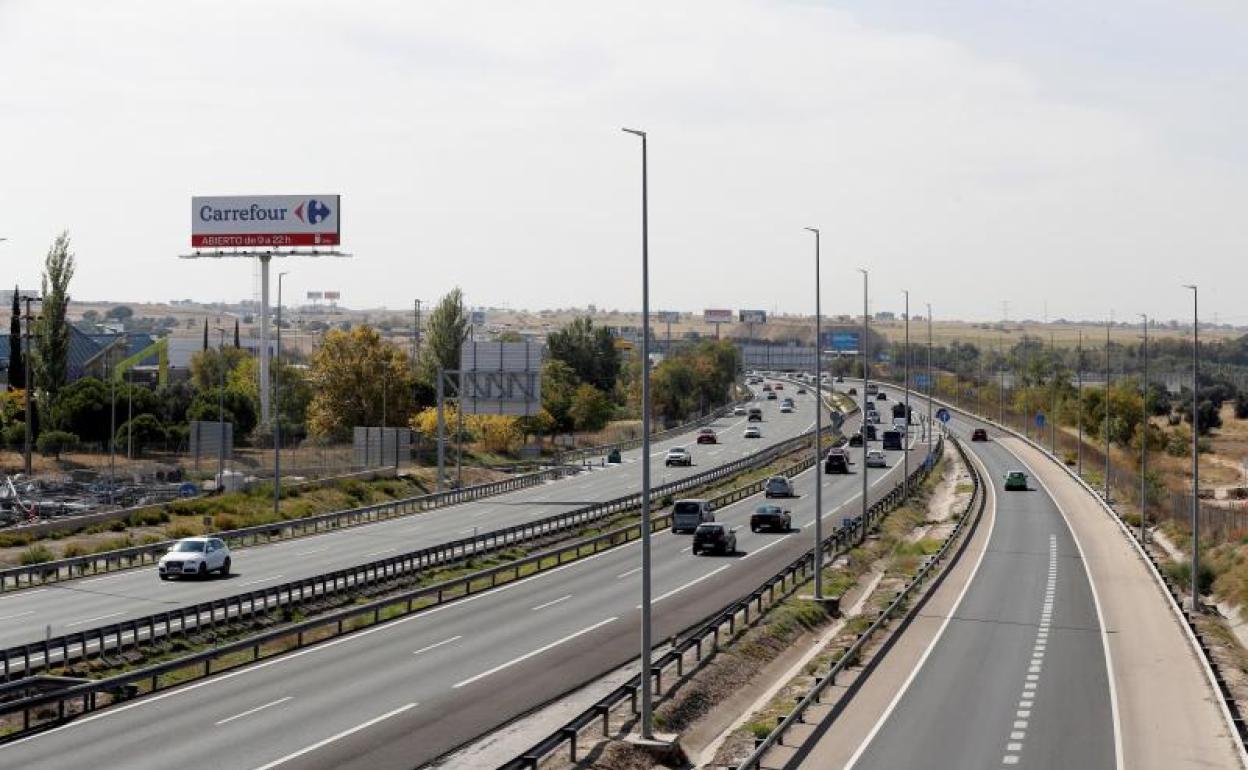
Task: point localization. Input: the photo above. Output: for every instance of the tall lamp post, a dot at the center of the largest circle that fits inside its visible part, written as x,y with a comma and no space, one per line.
647,715
221,411
1195,447
905,439
931,425
28,377
1079,387
1107,376
1144,434
277,403
866,378
818,430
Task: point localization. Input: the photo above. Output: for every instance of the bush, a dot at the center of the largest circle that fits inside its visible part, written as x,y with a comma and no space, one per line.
144,430
36,554
149,517
14,435
13,540
1180,573
72,550
54,442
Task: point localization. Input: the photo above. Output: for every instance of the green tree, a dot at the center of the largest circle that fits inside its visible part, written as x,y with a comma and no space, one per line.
558,389
590,351
444,336
206,366
17,367
54,442
52,361
239,410
120,313
591,408
145,430
358,379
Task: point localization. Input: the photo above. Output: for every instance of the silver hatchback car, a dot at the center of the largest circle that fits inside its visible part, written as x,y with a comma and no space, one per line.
778,486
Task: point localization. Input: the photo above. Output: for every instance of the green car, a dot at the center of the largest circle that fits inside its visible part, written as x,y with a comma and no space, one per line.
613,456
1016,481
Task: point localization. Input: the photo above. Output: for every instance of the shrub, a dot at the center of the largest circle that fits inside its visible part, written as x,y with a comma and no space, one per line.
224,521
149,517
13,540
72,550
37,554
14,435
54,442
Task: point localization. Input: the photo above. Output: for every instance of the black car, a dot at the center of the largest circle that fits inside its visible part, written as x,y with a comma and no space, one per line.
871,433
837,462
771,517
979,434
715,537
855,440
881,396
613,456
853,391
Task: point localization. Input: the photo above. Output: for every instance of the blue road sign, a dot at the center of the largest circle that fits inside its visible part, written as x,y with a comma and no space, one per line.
922,380
943,415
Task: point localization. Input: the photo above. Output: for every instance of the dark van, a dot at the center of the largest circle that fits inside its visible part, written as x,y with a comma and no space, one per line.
892,439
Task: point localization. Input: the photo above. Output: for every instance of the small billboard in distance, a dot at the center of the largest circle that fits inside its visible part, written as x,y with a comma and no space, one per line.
752,316
717,316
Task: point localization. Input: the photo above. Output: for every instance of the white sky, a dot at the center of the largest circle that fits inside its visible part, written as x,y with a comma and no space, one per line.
973,151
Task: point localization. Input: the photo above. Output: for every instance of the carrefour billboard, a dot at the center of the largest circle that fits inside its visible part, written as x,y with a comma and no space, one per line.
264,221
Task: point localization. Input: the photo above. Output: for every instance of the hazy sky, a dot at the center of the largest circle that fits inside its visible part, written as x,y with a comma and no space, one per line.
1089,154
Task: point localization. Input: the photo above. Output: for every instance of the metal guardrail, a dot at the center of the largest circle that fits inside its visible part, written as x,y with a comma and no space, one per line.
25,659
47,709
695,639
852,654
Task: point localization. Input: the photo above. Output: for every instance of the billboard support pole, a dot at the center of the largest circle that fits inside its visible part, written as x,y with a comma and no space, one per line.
265,260
441,430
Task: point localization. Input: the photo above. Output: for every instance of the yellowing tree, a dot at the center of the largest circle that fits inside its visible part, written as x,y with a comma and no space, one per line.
359,380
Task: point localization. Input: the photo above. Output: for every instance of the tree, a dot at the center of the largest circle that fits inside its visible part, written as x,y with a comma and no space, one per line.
205,334
144,430
239,410
444,336
54,442
589,351
17,365
591,408
206,366
558,388
120,313
52,361
82,408
358,379
237,342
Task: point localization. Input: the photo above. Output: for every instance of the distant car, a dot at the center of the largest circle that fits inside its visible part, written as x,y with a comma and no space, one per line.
707,436
778,486
870,431
769,516
853,391
689,514
855,440
836,462
195,556
771,395
840,379
873,418
881,396
801,391
899,423
756,415
979,434
739,411
752,432
714,537
678,455
767,387
779,386
614,456
876,459
892,439
786,409
1016,481
872,388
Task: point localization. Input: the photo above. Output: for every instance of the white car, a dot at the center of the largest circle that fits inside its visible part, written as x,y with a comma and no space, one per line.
678,455
876,459
196,556
739,411
786,409
752,432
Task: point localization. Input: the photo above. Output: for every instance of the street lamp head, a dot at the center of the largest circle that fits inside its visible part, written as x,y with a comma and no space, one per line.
814,230
634,132
862,270
1191,286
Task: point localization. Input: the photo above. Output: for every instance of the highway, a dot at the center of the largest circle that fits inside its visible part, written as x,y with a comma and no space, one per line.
405,692
86,603
1017,675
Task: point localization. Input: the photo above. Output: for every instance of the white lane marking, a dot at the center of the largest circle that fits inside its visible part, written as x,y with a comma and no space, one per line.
101,579
249,712
260,580
632,571
914,672
20,592
686,549
551,603
92,620
314,550
338,736
764,548
383,550
690,584
436,645
536,652
18,615
1100,618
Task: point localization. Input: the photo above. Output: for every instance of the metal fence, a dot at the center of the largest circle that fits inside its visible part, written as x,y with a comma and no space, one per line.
703,640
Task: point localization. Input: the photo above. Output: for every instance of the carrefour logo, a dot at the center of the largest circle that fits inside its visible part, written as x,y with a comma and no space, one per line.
316,211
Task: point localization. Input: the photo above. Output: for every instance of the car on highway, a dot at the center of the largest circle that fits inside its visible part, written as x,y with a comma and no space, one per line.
779,386
739,411
752,431
899,423
195,556
614,456
770,516
767,387
714,537
853,391
873,417
881,396
1016,481
778,486
840,379
771,395
855,439
876,459
872,388
837,461
979,434
801,391
707,436
756,414
691,513
869,429
892,439
678,455
786,409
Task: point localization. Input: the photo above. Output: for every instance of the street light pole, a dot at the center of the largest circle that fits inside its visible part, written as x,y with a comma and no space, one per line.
1195,448
866,378
221,411
818,431
277,404
112,423
27,376
1144,435
931,425
1079,387
905,436
647,715
1106,405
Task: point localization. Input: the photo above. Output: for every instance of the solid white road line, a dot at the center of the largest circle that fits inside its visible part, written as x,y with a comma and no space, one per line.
314,550
534,653
632,571
249,712
764,548
551,603
260,580
338,736
383,550
32,612
691,583
436,645
92,620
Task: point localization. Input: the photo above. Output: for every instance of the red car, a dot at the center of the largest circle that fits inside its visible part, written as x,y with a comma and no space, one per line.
707,436
779,386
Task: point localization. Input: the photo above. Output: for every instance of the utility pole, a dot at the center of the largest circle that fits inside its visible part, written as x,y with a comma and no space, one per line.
818,431
1144,436
27,375
1195,450
112,423
221,412
277,405
1107,374
931,425
416,334
129,416
1079,380
905,438
866,379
